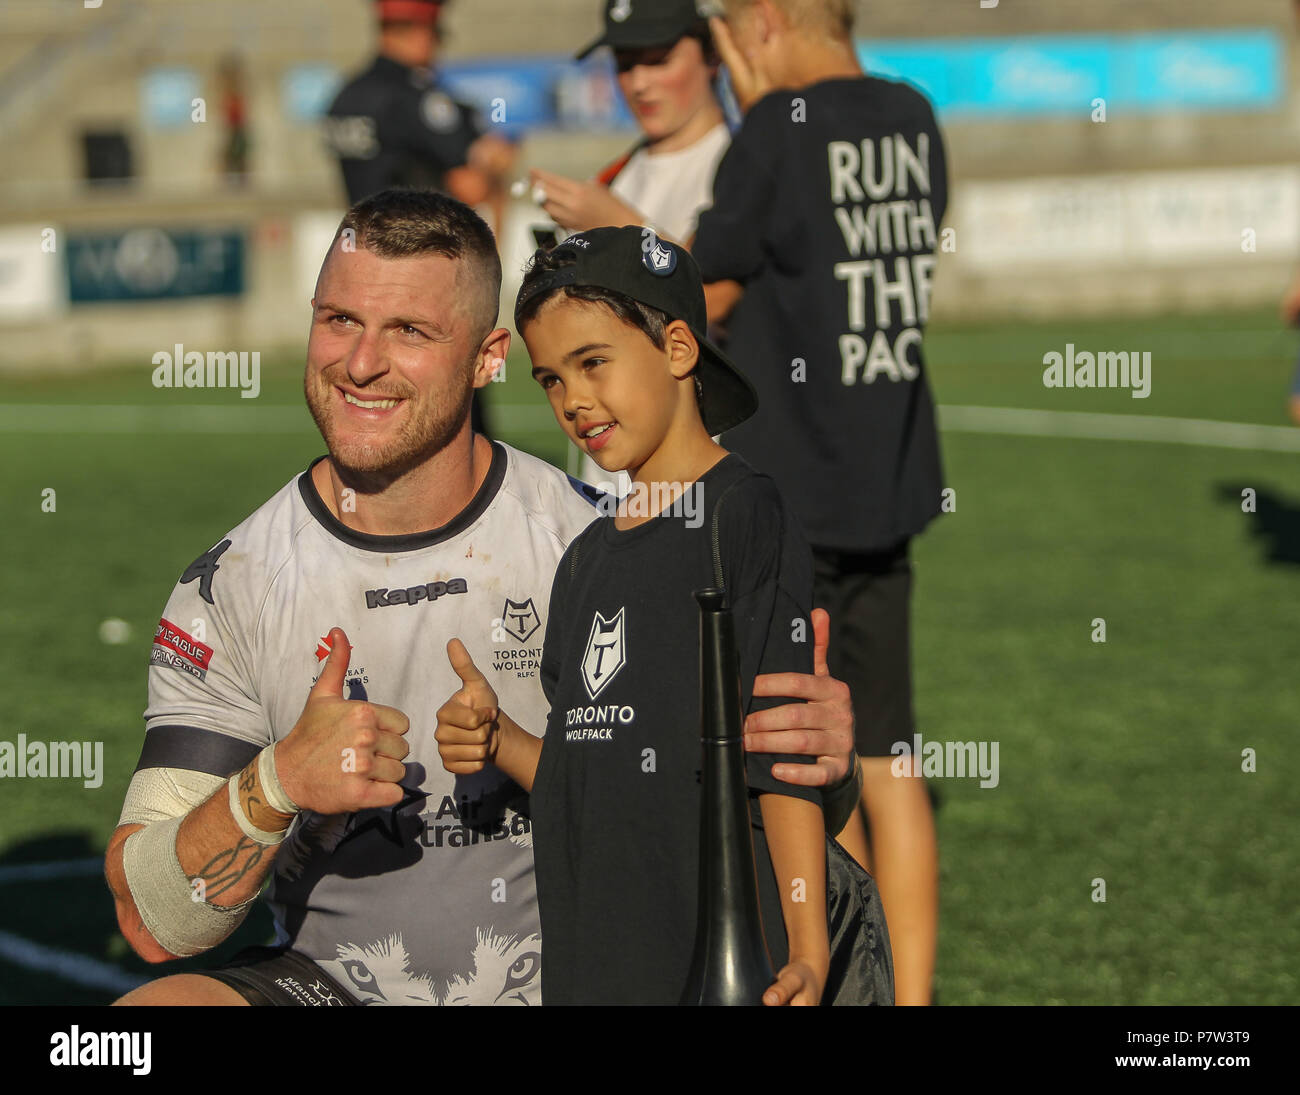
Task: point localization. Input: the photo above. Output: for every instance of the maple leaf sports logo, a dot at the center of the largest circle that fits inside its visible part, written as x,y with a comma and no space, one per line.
355,685
605,655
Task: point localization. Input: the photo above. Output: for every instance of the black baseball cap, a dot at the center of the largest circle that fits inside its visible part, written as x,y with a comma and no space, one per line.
637,263
641,24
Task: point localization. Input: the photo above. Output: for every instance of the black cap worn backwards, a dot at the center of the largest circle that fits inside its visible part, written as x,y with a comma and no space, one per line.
641,24
635,262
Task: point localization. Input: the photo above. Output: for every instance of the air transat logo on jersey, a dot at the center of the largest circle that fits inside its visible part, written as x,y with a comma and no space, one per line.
520,619
605,655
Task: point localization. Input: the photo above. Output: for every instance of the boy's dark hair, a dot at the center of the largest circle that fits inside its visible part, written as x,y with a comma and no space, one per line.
401,223
651,322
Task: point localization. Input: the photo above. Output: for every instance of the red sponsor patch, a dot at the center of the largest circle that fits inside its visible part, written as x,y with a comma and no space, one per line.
172,638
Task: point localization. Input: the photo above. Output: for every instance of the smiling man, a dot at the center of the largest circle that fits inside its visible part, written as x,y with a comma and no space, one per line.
391,881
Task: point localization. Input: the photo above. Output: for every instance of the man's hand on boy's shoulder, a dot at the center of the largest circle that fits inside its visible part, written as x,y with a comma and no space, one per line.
822,727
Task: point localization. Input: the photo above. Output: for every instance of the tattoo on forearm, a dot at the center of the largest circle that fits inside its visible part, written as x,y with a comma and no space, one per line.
226,868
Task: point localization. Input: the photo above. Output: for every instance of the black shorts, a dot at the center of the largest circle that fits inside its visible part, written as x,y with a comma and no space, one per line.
869,599
274,976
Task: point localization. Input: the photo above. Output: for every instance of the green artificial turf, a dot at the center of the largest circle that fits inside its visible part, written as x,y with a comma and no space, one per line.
1119,761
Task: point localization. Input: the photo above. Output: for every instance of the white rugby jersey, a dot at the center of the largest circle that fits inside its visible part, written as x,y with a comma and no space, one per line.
432,901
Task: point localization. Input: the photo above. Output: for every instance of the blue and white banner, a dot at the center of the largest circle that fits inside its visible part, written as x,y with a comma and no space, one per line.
1198,70
149,263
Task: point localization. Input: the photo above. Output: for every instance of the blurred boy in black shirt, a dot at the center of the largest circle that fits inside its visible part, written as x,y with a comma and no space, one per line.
818,255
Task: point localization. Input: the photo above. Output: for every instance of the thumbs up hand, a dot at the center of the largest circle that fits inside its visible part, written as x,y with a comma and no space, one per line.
468,733
342,755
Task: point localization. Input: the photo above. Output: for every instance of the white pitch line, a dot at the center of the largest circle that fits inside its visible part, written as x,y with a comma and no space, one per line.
128,418
236,419
77,968
284,419
1119,427
40,872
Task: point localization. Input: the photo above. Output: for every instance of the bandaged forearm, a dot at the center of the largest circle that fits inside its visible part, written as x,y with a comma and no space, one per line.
178,910
171,905
157,794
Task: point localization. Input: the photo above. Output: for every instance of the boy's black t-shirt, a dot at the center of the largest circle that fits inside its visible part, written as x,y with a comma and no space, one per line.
616,800
827,209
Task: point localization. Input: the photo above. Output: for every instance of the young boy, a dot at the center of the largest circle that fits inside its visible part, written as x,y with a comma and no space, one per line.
614,323
818,254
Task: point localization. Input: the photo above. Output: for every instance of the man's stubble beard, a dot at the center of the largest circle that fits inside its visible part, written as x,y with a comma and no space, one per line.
419,438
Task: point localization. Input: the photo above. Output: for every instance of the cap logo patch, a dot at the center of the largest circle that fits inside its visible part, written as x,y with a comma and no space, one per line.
659,260
620,10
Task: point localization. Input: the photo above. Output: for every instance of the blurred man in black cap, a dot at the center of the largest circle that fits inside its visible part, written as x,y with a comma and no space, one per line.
394,125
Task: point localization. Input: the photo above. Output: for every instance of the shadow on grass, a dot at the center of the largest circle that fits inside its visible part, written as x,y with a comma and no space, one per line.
1275,522
66,906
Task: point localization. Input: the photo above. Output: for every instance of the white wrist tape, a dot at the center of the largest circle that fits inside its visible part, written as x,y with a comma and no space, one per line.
165,897
261,836
275,796
271,791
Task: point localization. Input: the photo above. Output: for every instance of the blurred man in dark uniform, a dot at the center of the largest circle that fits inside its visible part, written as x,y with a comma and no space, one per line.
395,125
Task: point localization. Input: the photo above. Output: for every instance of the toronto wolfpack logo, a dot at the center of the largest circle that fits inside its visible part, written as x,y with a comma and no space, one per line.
520,619
606,652
660,260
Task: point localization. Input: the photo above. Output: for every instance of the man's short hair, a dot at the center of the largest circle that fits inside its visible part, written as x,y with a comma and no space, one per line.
832,18
402,223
